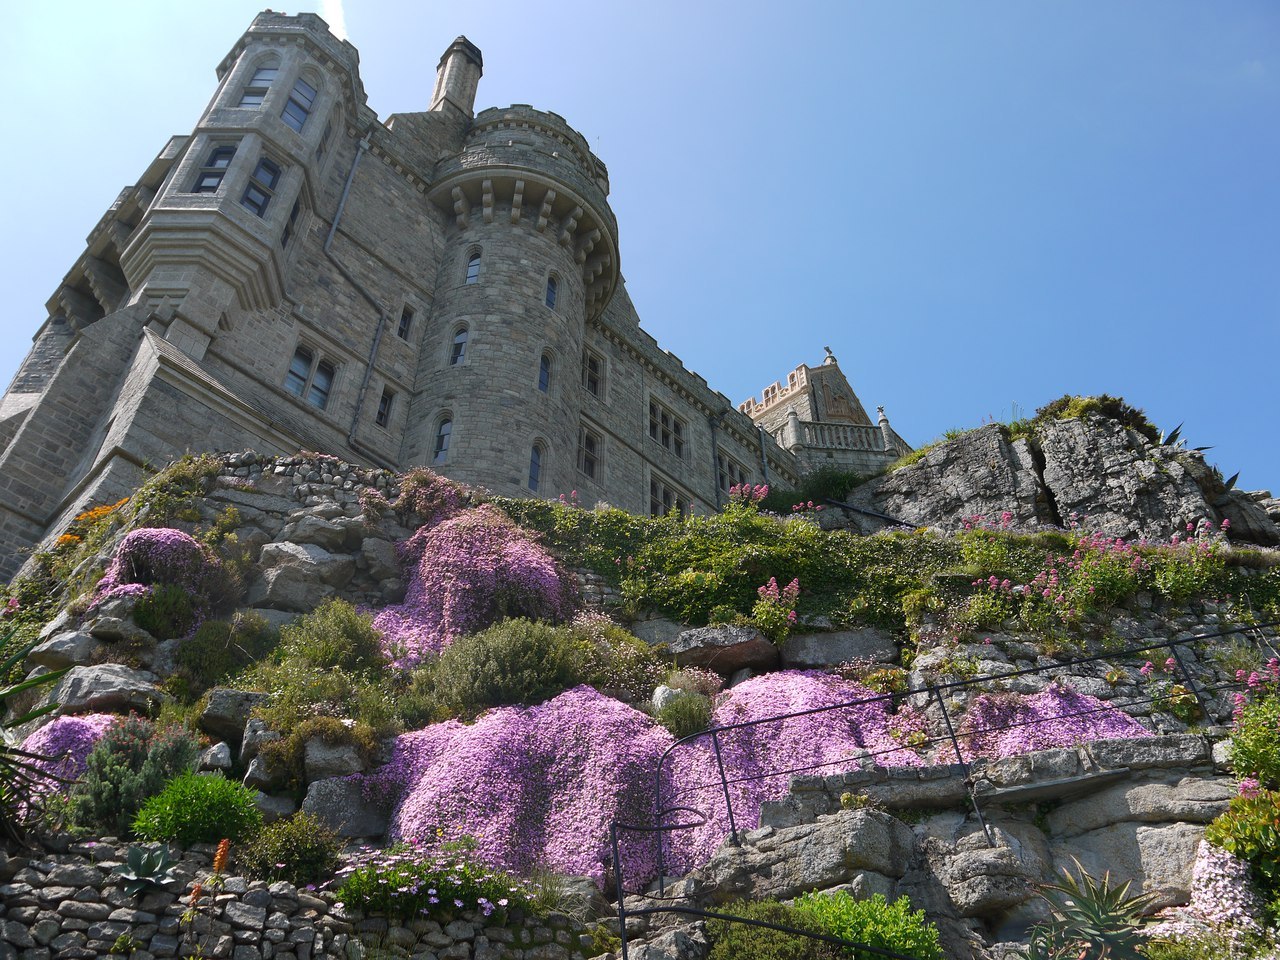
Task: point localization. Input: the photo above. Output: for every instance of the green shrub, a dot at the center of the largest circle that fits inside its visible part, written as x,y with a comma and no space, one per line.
130,765
737,941
1113,408
1255,743
686,714
875,922
334,635
199,808
615,661
299,849
166,612
516,661
220,648
1248,830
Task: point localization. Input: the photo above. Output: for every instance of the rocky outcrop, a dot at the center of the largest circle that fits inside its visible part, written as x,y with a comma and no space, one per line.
1111,477
724,649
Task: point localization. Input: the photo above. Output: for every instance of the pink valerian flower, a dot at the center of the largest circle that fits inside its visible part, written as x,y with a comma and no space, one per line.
10,608
748,494
466,573
1250,788
1147,668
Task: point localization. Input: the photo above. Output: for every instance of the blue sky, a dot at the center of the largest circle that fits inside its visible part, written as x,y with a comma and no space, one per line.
978,206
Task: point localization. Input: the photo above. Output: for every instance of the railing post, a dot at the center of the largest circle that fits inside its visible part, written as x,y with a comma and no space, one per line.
622,893
955,745
724,784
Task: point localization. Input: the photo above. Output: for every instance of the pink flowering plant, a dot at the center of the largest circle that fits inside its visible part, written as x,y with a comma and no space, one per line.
1224,905
64,745
1007,724
1250,830
748,494
466,573
775,610
1255,743
412,882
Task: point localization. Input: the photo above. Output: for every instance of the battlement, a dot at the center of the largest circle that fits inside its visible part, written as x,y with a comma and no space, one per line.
775,393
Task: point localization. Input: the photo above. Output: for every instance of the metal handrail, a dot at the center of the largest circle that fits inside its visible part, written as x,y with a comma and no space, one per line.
932,691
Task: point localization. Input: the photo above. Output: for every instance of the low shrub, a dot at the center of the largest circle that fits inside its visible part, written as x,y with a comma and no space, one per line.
514,662
130,764
288,754
739,941
614,661
874,922
199,808
299,849
166,612
686,714
220,648
406,883
333,636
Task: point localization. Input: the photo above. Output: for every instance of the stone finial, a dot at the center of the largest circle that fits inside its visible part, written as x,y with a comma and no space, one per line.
830,357
882,418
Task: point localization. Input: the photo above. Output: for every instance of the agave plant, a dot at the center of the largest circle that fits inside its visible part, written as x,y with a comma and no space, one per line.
22,777
1092,920
146,867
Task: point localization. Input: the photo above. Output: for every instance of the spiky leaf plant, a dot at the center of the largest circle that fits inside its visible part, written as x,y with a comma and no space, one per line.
1092,920
146,867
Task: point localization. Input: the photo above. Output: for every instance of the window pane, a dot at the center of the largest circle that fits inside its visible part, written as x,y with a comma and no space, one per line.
253,98
551,292
255,199
535,468
295,114
305,92
267,173
384,408
264,76
443,433
220,158
544,373
406,323
459,351
473,269
321,383
295,380
207,183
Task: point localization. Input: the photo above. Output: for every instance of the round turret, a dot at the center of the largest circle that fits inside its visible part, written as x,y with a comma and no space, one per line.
529,257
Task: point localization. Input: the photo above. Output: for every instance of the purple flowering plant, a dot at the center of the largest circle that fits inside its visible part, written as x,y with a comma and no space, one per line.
466,573
411,882
1007,724
65,744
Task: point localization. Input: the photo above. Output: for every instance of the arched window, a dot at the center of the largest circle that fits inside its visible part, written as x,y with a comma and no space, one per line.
473,268
535,467
255,91
458,352
544,373
552,287
443,433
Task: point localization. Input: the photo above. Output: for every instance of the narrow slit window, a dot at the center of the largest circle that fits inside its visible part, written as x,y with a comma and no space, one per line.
589,453
295,380
292,223
406,323
544,373
473,269
535,467
552,288
262,186
458,352
443,433
384,407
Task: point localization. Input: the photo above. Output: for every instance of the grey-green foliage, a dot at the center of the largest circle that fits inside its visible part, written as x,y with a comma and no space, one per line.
1089,915
129,765
685,715
145,867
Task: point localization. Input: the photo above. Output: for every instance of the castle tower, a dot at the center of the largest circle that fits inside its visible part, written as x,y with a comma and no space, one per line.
218,237
530,256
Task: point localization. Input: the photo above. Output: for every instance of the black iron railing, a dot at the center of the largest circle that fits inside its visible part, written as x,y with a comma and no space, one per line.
695,818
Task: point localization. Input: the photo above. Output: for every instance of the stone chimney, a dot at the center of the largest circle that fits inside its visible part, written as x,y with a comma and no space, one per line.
457,78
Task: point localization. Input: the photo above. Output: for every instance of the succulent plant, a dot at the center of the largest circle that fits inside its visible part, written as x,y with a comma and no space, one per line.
146,867
1092,920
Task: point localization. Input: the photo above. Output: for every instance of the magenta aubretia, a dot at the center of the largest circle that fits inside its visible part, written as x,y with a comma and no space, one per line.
1005,724
154,555
66,743
466,573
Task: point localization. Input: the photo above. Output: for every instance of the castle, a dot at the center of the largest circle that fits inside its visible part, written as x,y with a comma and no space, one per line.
442,289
